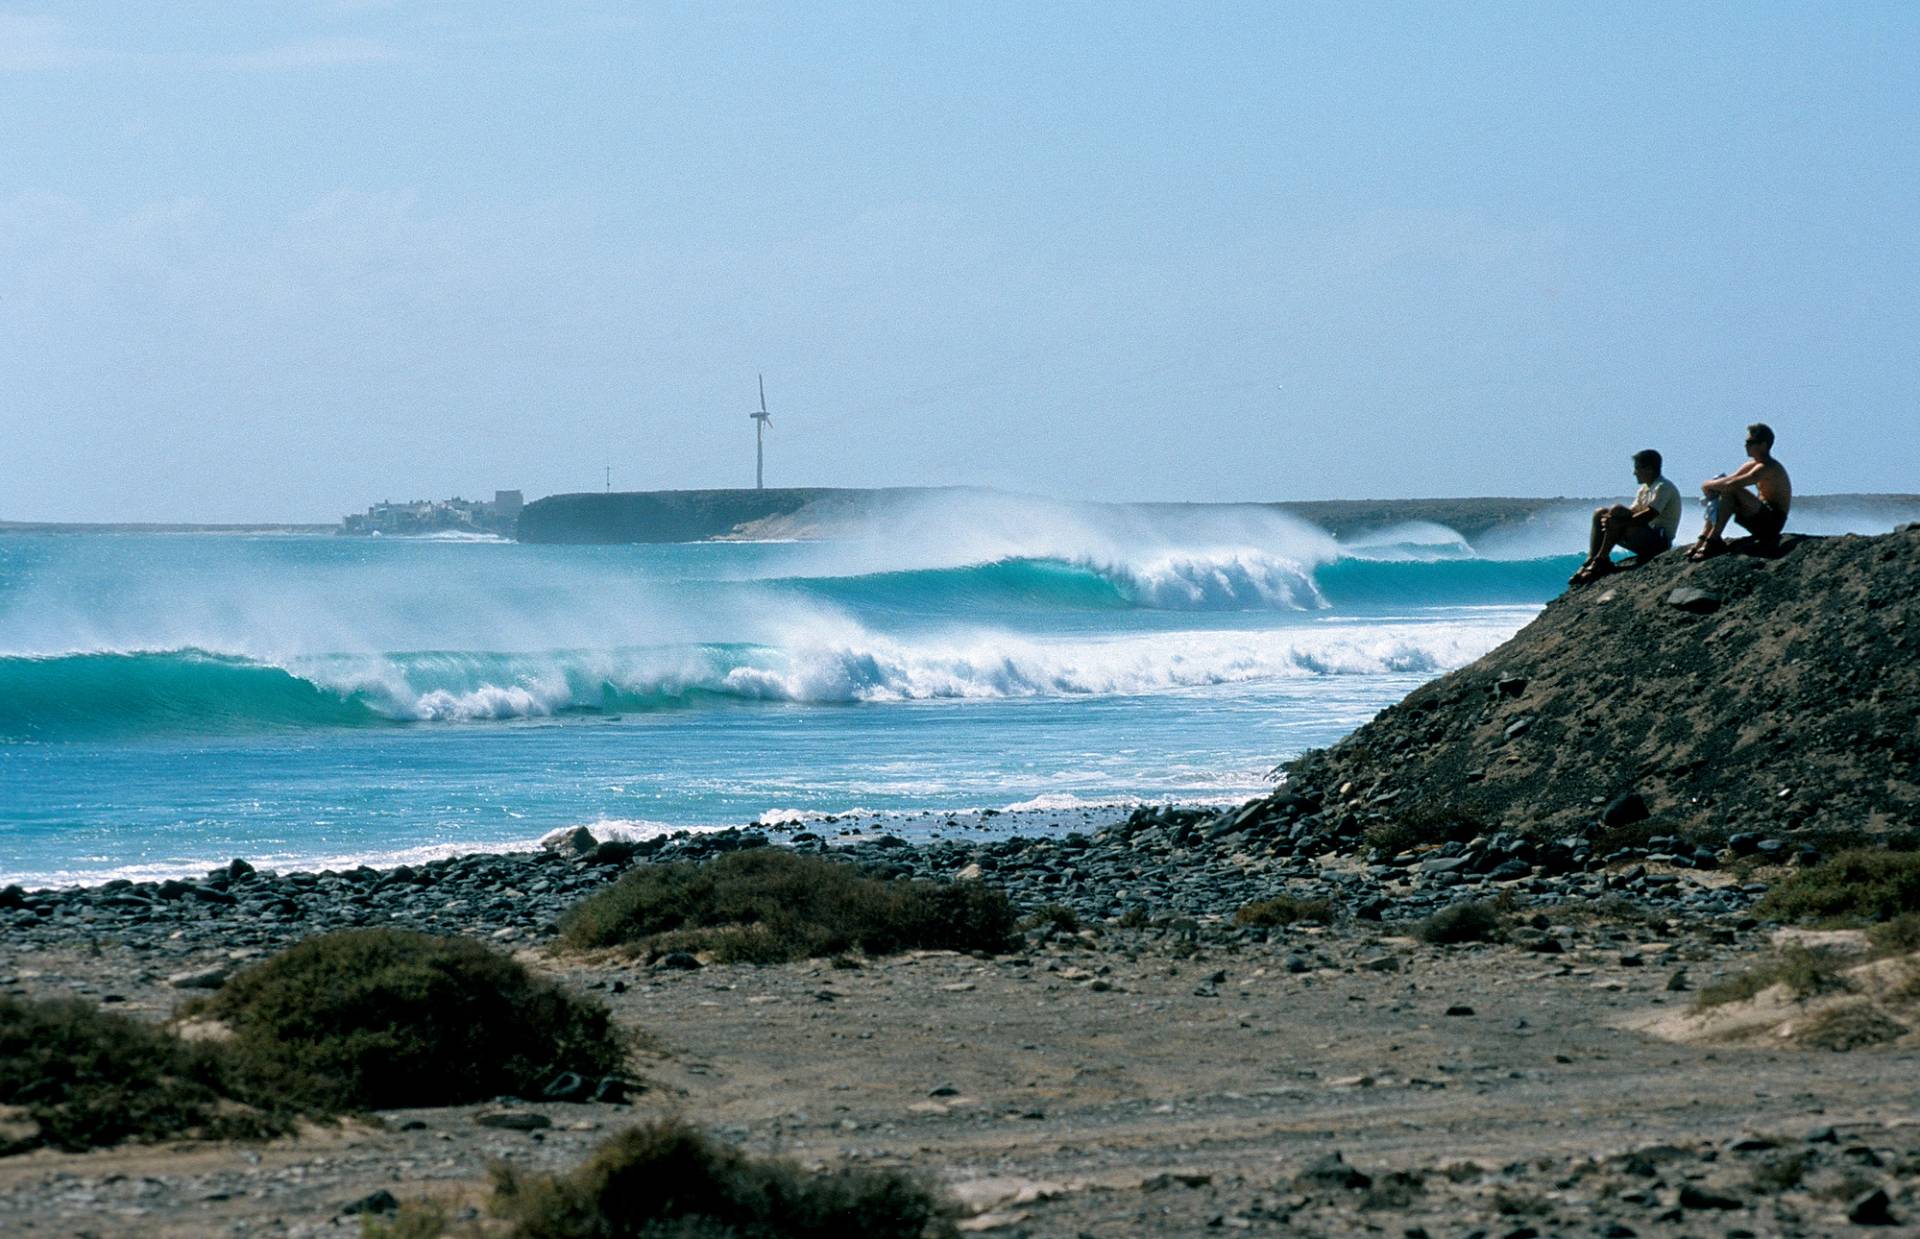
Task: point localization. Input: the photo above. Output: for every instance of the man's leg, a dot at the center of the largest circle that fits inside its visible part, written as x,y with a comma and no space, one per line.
1720,508
1753,515
1608,525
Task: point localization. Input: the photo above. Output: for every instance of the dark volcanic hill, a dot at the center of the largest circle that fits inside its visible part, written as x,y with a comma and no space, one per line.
1743,694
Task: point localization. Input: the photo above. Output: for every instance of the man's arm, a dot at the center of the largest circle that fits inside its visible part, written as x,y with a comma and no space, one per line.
1742,477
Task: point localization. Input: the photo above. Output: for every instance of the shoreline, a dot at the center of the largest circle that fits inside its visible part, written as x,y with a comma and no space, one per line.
920,826
1159,862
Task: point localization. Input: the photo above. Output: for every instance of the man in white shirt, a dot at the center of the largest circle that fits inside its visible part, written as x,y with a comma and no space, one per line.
1647,528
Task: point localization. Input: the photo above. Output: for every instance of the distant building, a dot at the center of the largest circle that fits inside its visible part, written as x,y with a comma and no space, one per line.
424,516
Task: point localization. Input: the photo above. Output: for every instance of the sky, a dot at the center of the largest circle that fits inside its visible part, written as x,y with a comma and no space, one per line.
280,260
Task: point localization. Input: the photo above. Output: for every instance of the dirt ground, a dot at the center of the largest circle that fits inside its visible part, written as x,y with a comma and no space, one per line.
1134,1083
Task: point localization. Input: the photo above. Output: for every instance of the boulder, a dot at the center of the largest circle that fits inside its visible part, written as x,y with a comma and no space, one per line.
1693,601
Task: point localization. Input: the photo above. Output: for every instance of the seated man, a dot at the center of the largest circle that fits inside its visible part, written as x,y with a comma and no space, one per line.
1646,528
1762,511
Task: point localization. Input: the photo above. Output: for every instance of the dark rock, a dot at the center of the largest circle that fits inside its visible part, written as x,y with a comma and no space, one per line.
1332,1171
1459,1008
1625,810
514,1120
611,1091
381,1201
612,852
683,961
1693,601
1511,686
1823,1135
1517,728
575,843
13,898
1509,870
238,870
1161,1182
1696,1197
1872,1209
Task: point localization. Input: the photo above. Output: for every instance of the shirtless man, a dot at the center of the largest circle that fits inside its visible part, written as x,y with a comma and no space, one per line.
1646,528
1762,511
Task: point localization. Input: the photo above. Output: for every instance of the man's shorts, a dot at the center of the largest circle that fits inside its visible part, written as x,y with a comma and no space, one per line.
1765,523
1645,540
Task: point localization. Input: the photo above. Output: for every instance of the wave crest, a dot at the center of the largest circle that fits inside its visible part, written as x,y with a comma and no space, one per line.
88,694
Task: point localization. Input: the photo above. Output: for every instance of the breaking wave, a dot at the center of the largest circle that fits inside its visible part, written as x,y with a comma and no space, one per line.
155,692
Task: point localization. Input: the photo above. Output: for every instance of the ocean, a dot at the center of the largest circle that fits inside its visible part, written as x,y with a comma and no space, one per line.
169,701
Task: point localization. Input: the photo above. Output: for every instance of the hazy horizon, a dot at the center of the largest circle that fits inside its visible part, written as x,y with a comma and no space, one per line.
275,264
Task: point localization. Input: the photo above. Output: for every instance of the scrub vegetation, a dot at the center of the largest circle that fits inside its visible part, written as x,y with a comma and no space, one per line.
667,1181
384,1019
75,1077
768,905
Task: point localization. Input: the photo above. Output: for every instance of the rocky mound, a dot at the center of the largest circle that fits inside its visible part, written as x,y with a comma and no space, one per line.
1736,699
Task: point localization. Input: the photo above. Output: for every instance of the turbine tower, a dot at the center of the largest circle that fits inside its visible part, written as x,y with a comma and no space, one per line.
761,421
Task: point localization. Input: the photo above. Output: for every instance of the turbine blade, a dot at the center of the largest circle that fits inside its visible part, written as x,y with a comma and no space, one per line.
763,393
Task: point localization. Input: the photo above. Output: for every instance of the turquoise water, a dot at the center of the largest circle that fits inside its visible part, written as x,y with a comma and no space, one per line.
168,701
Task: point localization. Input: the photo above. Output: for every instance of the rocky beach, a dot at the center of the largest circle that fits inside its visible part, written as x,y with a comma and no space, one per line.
1251,1019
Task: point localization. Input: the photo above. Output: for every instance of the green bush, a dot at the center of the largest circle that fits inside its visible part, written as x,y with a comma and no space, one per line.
88,1078
1861,885
668,1180
380,1018
1469,921
769,905
1284,910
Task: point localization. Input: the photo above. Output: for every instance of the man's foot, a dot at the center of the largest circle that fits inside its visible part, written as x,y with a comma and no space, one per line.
1592,572
1707,548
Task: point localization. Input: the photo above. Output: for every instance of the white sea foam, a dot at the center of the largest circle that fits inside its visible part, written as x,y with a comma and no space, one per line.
848,664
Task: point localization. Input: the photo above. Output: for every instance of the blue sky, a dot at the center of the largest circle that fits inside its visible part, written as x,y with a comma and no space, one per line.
279,260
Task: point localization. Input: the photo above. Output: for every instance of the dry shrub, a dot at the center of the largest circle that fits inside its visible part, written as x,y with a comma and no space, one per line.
88,1078
1468,921
383,1019
769,905
1805,972
1284,910
1850,1027
667,1179
1859,886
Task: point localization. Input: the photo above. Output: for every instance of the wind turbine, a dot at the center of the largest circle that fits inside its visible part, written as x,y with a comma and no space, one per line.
761,421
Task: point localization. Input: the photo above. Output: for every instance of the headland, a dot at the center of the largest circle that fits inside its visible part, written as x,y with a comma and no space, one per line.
808,513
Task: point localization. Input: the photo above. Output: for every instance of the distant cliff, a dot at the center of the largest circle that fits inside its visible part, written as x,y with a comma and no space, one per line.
824,512
660,515
834,512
